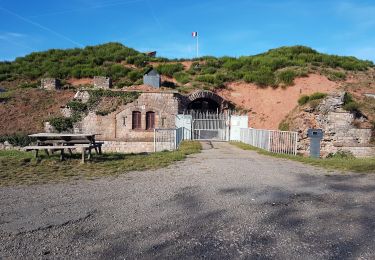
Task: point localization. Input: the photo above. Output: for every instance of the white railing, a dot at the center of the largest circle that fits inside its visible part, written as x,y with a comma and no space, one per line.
169,139
284,142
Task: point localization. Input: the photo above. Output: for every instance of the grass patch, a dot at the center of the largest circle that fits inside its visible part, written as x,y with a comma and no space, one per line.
20,168
362,165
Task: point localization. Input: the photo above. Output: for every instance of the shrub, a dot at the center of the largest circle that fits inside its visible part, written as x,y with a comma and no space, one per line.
17,139
5,96
317,95
61,124
169,69
336,75
29,85
350,104
341,155
77,106
263,77
303,100
284,126
286,77
206,78
182,77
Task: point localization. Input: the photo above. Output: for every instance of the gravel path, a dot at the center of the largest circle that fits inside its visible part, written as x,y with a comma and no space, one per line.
222,203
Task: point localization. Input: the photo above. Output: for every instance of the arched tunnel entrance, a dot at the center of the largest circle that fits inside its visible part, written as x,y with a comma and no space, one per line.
205,101
204,105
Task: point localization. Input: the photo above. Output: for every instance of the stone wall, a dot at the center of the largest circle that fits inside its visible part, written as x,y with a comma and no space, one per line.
50,83
102,82
340,134
118,124
127,147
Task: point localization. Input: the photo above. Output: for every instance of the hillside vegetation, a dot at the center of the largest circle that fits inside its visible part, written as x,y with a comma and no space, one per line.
126,66
23,108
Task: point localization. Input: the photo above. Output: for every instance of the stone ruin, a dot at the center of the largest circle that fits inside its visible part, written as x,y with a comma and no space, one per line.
102,82
340,130
50,84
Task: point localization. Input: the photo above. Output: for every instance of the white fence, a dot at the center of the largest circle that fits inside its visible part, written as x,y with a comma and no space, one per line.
284,142
169,139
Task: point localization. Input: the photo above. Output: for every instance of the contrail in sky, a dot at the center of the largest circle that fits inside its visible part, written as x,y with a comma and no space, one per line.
41,26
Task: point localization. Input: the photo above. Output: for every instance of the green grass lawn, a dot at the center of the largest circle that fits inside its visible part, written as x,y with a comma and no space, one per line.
18,168
363,165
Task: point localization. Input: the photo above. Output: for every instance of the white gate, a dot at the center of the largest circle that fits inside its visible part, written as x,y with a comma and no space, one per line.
210,126
236,123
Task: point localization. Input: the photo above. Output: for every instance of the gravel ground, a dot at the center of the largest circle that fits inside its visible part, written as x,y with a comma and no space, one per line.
222,203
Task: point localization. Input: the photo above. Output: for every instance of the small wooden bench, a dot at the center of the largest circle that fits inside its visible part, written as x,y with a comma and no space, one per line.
84,147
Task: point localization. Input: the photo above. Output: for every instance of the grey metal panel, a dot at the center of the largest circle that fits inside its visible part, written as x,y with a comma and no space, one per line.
153,81
315,135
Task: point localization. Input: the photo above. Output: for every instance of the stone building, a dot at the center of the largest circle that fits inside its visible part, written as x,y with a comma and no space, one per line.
102,82
131,127
50,83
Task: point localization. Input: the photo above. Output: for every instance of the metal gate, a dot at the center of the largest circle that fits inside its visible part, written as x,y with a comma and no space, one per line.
210,126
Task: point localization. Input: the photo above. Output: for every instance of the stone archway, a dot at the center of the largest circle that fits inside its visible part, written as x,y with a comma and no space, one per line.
203,100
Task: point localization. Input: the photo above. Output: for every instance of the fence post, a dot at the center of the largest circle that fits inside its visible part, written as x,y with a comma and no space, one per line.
295,140
154,140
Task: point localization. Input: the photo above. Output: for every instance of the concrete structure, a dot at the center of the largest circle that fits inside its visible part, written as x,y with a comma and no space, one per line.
152,78
50,83
102,82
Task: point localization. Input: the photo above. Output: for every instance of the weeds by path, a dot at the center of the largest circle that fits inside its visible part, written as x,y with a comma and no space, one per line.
364,165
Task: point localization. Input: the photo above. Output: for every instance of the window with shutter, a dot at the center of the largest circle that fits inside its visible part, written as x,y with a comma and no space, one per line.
150,120
136,120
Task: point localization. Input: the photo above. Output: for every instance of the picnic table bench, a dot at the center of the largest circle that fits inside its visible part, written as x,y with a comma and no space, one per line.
59,142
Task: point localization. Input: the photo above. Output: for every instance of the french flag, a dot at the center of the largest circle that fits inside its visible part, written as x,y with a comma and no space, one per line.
194,34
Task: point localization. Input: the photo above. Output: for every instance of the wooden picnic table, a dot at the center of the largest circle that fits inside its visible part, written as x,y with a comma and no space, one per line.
60,142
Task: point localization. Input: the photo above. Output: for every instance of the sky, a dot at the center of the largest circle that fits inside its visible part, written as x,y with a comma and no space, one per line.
225,27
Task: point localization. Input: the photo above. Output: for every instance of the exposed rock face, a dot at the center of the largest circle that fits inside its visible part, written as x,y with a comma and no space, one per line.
82,96
340,134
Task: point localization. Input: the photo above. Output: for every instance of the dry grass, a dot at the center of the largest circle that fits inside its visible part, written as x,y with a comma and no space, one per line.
363,165
20,168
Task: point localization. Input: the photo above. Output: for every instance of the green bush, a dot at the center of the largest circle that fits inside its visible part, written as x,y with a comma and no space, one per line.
284,126
350,104
263,77
207,78
317,95
169,69
286,77
5,96
182,77
62,124
17,139
303,100
77,106
341,155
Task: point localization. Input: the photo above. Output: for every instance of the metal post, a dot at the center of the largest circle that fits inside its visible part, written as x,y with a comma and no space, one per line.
154,140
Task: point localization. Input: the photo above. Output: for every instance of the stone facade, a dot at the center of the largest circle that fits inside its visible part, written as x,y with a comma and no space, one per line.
118,125
50,84
102,82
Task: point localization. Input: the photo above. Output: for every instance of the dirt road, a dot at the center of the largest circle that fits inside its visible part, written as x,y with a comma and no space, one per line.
222,203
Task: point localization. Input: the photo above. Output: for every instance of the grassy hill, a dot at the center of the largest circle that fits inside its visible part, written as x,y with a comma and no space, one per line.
276,67
125,65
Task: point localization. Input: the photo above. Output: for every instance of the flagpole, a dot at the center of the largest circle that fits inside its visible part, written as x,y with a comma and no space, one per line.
197,46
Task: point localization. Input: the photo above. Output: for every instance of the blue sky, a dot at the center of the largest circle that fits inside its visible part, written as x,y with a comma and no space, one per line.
234,28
